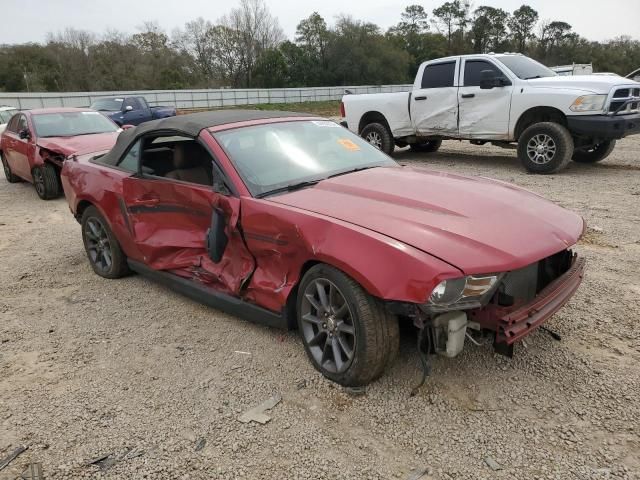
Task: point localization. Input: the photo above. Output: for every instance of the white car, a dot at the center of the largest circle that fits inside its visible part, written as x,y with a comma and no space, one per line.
5,114
502,99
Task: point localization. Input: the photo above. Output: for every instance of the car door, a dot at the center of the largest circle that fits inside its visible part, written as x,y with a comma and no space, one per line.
21,148
434,101
136,115
484,113
169,221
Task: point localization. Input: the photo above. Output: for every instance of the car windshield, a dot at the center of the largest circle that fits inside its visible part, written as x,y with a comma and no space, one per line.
5,115
108,104
280,156
71,124
525,68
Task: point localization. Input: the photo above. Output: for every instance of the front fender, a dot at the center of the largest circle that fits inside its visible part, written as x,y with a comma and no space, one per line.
284,239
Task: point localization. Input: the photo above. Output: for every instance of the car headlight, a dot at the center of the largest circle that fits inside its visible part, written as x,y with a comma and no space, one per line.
588,103
464,292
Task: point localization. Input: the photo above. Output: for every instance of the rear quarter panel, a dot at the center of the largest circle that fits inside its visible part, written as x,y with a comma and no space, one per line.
393,106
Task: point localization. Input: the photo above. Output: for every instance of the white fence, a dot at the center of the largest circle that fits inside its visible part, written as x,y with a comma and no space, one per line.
195,98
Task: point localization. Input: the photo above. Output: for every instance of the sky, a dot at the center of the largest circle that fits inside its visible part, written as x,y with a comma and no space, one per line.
29,20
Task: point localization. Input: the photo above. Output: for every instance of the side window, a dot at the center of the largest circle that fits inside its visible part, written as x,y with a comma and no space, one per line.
472,69
438,75
13,124
130,102
130,160
141,103
22,123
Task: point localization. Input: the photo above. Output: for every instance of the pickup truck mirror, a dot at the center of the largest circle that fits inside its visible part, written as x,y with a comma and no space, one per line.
216,237
488,80
24,134
128,108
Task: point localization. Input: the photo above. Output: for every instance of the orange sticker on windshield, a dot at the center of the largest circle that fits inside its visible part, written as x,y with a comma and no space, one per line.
348,144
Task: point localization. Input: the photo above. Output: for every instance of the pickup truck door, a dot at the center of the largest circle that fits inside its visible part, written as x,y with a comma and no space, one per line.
434,100
484,113
137,114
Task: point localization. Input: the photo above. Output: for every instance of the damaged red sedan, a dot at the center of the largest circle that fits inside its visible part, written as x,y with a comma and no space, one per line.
293,221
36,142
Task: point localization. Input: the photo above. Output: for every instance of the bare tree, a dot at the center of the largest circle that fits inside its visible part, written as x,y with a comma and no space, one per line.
197,39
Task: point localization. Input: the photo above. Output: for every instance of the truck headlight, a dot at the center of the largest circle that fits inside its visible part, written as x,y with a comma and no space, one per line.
464,292
588,103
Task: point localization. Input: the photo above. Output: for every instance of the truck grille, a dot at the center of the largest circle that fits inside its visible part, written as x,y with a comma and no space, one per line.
625,100
524,284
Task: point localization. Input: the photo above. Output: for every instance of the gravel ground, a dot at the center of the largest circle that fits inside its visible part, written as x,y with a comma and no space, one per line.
91,367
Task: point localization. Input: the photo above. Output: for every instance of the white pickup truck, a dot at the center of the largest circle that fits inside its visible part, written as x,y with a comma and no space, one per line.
502,99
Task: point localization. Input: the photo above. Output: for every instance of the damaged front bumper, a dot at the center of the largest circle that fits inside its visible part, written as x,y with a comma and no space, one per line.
512,324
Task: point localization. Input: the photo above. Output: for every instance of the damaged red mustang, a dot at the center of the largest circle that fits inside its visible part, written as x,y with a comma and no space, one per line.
36,142
292,221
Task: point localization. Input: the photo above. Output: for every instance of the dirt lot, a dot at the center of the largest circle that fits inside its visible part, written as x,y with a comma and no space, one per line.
91,367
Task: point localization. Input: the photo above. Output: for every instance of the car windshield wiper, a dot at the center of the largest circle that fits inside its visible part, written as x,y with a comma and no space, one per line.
290,188
359,169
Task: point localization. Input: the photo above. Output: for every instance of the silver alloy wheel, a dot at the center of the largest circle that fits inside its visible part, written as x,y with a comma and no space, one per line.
541,149
375,139
327,326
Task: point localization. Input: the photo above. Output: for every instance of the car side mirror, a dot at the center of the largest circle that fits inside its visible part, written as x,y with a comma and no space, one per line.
216,237
488,80
24,134
128,108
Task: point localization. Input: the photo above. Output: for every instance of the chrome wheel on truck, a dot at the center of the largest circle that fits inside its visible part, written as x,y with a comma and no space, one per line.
545,147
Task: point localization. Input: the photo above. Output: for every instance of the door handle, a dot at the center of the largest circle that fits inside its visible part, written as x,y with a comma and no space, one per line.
468,95
424,97
147,201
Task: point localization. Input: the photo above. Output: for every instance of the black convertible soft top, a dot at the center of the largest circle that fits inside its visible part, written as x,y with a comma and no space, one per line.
190,125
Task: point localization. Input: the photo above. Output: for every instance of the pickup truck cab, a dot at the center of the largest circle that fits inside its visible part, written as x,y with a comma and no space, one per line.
502,99
131,110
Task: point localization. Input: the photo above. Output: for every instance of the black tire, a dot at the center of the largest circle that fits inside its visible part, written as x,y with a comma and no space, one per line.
379,136
9,175
595,153
555,146
98,238
428,146
46,181
374,338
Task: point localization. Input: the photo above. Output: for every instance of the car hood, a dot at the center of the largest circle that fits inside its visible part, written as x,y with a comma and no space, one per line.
80,144
475,224
590,83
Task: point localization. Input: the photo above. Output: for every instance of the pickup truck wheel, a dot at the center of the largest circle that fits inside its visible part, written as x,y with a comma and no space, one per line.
594,153
10,176
103,250
429,146
46,182
545,147
379,136
348,334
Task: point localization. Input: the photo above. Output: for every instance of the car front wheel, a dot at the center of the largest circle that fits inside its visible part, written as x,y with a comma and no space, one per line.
103,250
379,136
594,153
348,334
46,181
545,147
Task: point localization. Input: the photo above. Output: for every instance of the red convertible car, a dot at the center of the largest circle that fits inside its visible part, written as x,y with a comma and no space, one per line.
291,220
36,142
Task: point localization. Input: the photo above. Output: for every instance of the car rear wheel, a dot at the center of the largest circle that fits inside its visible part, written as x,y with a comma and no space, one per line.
428,146
379,136
46,181
594,153
348,334
545,147
10,176
103,250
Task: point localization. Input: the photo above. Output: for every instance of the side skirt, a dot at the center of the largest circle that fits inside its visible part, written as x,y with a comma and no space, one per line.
220,301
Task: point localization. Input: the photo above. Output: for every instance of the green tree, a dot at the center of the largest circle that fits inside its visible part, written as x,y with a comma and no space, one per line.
521,24
489,29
